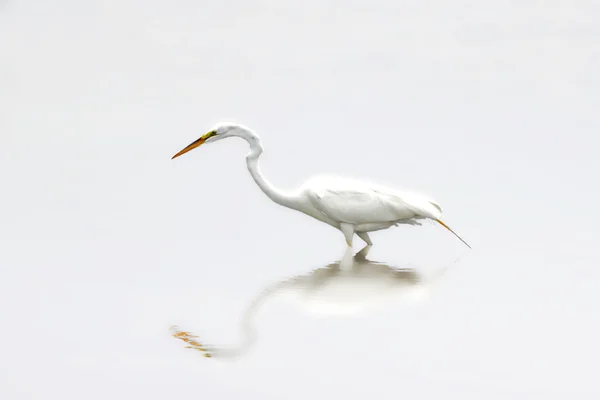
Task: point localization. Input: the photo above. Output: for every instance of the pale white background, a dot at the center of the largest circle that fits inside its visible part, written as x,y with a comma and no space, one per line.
490,107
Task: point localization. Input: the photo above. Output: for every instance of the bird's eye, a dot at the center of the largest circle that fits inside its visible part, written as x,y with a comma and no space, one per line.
210,134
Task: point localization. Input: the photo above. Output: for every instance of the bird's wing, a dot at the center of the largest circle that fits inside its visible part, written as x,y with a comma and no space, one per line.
357,202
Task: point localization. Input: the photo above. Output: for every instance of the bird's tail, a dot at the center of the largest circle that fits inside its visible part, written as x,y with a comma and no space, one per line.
455,234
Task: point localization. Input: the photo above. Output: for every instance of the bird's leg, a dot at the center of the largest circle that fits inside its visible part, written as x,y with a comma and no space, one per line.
362,255
365,236
348,231
347,260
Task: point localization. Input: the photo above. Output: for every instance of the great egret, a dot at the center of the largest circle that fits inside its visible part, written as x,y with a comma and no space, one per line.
351,287
351,206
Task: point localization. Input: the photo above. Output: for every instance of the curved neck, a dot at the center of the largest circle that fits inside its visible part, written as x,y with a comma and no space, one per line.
271,191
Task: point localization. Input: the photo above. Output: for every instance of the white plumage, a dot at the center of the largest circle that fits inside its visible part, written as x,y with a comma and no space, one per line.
352,206
356,202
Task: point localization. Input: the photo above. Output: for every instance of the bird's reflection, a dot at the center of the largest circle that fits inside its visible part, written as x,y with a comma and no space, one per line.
350,286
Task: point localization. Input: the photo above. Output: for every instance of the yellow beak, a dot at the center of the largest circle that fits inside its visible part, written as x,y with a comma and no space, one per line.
195,144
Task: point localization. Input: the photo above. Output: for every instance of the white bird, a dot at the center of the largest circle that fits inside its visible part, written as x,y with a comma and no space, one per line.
351,206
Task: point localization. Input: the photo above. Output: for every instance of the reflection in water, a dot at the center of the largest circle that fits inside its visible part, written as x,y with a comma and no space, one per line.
350,286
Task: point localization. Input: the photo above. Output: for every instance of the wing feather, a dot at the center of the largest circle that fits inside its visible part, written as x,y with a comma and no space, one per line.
357,202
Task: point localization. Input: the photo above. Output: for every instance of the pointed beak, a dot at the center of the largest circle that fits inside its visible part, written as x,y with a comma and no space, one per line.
195,144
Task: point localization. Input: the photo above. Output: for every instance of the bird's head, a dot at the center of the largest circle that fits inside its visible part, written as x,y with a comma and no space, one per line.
220,131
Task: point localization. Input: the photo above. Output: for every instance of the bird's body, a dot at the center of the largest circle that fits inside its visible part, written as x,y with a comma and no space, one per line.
352,206
366,206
